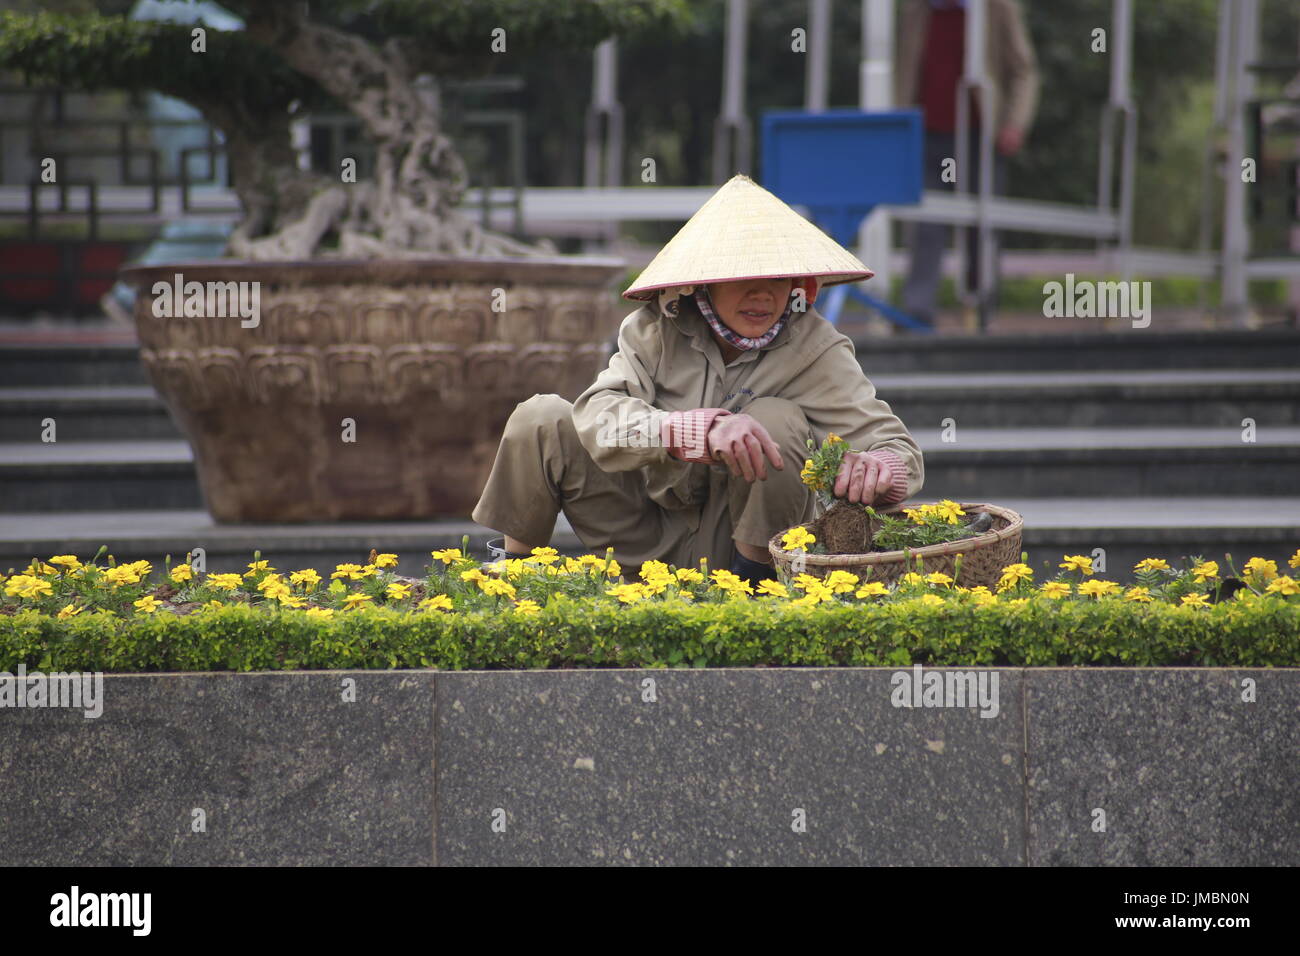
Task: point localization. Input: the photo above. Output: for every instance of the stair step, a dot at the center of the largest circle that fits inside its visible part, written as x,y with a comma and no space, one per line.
1210,397
101,364
1130,349
84,413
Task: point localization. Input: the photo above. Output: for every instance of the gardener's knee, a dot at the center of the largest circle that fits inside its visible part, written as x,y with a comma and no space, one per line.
786,422
537,413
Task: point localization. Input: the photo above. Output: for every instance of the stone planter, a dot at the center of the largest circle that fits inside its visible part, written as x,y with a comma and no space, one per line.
583,767
425,359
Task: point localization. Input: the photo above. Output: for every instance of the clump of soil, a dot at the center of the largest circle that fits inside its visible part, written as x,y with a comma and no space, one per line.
845,529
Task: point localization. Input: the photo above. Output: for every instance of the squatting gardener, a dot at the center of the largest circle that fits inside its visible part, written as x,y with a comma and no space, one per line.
689,445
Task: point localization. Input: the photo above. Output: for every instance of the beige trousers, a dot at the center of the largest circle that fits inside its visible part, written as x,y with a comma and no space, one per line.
542,469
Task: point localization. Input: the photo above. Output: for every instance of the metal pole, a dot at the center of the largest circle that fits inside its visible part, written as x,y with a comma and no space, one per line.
1121,68
731,139
817,83
1236,230
876,92
973,79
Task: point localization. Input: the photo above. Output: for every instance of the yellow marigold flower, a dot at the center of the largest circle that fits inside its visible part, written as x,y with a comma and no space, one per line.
871,589
28,586
1196,600
123,574
938,577
658,585
517,567
948,510
653,569
473,574
225,582
1282,585
385,560
527,607
268,581
70,610
912,579
40,568
983,596
1294,560
628,593
291,600
255,566
276,591
613,570
355,601
544,555
399,591
1057,589
438,602
1140,594
1019,601
724,580
308,577
1206,570
447,555
495,586
147,604
1077,562
591,561
931,600
841,582
689,576
1259,568
1013,574
215,603
1152,564
69,561
815,594
368,571
773,588
1098,589
797,539
320,612
182,573
349,571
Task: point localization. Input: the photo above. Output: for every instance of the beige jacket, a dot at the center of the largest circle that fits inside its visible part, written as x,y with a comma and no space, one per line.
674,364
1009,61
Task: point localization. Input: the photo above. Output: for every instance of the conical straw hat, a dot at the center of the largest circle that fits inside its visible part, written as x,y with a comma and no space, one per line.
745,232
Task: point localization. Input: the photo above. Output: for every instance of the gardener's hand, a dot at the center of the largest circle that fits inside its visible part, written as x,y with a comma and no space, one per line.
863,478
741,443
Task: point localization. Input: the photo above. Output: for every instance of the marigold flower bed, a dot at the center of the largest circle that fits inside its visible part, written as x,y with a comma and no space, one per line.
553,611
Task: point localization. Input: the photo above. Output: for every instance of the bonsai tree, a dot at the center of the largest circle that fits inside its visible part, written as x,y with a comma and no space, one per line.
363,55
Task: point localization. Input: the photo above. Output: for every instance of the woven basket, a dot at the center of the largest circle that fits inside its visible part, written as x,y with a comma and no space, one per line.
982,557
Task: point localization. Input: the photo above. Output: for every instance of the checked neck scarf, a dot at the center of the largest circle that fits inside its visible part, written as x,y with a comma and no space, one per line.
738,341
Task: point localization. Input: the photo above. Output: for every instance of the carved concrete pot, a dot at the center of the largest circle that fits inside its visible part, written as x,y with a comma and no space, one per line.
426,358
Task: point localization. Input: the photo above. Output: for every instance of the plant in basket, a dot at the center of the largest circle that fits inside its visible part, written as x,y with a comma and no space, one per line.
848,528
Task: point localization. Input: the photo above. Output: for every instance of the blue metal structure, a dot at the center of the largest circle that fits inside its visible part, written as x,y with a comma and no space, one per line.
840,165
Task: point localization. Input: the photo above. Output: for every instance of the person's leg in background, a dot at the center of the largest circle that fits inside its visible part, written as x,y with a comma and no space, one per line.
989,306
542,468
740,516
929,239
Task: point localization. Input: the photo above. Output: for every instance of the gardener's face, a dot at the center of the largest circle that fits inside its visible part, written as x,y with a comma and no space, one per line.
750,307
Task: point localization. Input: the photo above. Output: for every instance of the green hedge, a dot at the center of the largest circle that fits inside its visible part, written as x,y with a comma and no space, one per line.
574,633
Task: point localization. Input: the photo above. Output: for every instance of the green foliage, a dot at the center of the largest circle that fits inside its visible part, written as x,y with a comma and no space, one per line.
671,633
919,527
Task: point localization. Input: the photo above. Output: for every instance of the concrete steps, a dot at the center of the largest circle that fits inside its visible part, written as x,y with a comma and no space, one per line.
984,463
1208,397
1131,442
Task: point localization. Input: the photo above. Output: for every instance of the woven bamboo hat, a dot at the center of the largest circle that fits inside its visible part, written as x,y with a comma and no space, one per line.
745,232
